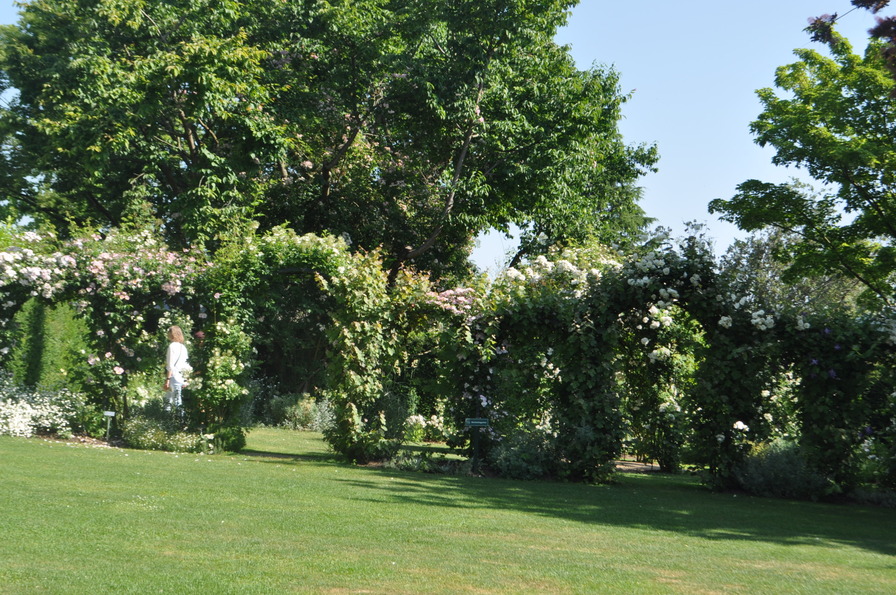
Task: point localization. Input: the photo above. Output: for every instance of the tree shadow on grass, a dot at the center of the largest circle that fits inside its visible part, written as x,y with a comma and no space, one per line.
676,504
262,456
287,447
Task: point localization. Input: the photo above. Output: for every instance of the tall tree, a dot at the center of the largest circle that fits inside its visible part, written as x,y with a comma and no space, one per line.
411,125
836,119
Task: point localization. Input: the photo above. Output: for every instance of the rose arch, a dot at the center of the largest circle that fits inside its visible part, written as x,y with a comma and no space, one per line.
568,361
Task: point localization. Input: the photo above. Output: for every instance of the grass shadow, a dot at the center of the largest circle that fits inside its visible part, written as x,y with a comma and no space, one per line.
677,504
672,503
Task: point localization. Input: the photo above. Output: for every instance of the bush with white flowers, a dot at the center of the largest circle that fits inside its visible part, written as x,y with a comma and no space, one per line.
26,412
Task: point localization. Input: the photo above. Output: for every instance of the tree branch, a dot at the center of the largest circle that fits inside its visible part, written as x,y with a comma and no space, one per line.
452,190
209,131
871,201
192,141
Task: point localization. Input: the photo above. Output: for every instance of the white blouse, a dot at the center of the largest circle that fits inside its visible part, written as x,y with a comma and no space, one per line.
176,359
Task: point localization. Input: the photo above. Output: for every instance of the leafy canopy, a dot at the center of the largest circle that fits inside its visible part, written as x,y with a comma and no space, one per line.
410,125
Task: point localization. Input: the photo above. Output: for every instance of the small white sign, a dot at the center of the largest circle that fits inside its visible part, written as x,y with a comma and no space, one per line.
109,413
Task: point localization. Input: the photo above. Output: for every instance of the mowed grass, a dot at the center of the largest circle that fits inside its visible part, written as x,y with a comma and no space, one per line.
285,516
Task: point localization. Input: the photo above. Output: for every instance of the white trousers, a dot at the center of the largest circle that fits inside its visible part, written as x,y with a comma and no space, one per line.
174,395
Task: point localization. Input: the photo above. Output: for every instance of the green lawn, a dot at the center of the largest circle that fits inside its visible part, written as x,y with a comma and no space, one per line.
285,517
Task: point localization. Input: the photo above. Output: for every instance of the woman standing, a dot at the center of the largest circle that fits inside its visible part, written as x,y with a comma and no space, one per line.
175,364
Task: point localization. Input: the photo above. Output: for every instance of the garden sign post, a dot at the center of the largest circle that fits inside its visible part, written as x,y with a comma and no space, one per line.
109,415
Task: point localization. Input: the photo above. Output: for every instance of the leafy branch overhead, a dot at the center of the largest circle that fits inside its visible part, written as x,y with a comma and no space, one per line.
836,119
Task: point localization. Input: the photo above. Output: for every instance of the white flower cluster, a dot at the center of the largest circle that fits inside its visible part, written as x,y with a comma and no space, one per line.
420,428
550,370
19,418
667,296
660,353
416,421
655,319
738,303
543,263
563,271
741,426
514,274
646,270
43,274
669,409
761,320
25,413
725,322
30,236
564,266
650,262
801,324
16,419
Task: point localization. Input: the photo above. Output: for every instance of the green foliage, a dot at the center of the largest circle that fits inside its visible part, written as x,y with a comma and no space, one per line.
567,357
759,266
426,462
877,451
222,359
49,347
268,285
230,438
298,412
654,386
835,119
527,453
370,321
358,438
527,356
124,287
154,427
846,371
155,433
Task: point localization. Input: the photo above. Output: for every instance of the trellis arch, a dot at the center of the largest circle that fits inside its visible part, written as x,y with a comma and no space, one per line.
562,319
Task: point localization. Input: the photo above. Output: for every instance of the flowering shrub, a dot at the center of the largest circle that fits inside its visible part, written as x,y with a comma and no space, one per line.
654,385
569,345
415,428
224,357
151,427
527,357
149,434
370,349
22,418
298,412
526,453
26,412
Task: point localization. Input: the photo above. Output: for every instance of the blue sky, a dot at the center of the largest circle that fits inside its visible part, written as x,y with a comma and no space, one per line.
693,67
